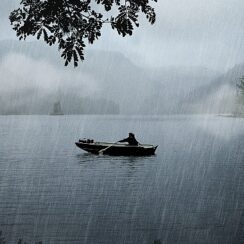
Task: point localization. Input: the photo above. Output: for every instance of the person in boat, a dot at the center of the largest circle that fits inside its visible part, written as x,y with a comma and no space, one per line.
131,140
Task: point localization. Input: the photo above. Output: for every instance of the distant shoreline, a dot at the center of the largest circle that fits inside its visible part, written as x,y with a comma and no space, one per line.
232,115
121,114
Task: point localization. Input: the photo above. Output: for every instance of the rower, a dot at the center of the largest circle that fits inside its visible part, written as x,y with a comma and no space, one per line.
131,140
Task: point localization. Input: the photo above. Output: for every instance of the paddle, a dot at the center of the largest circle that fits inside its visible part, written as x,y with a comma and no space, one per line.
102,150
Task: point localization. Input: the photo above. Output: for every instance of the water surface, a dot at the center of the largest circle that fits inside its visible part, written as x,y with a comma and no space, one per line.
191,191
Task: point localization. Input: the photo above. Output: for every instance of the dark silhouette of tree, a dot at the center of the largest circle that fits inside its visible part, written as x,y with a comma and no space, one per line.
240,86
73,23
239,96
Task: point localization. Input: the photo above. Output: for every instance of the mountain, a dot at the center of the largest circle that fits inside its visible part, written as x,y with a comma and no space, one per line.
220,96
176,84
34,74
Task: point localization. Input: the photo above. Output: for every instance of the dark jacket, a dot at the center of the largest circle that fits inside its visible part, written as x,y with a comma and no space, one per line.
131,140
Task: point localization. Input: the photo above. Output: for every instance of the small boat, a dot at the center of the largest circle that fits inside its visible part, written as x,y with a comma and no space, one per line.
116,149
57,110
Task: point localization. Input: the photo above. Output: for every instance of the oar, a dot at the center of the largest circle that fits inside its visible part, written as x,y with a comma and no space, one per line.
102,150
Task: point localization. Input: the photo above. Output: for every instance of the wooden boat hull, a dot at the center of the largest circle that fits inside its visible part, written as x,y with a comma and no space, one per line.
117,149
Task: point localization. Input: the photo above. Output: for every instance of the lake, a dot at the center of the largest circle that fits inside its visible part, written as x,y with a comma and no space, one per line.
191,191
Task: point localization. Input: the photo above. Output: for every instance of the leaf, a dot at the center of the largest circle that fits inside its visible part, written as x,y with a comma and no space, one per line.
39,34
45,36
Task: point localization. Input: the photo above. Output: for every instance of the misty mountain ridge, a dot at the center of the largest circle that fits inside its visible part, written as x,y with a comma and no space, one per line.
220,95
35,68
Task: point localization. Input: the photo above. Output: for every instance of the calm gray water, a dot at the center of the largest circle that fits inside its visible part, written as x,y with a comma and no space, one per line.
192,191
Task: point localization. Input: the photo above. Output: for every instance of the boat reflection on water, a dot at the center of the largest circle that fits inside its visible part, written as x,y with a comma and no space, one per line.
134,161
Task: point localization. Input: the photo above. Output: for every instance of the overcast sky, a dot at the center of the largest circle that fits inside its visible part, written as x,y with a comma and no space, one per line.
206,33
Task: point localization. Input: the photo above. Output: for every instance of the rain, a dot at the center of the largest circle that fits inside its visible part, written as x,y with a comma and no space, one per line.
174,85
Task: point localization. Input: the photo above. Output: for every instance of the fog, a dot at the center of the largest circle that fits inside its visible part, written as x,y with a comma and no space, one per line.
178,65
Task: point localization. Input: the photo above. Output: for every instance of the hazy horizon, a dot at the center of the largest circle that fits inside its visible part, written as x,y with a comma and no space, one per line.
180,64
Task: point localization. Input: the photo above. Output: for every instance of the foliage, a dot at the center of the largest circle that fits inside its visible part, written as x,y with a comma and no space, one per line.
239,96
72,23
240,86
